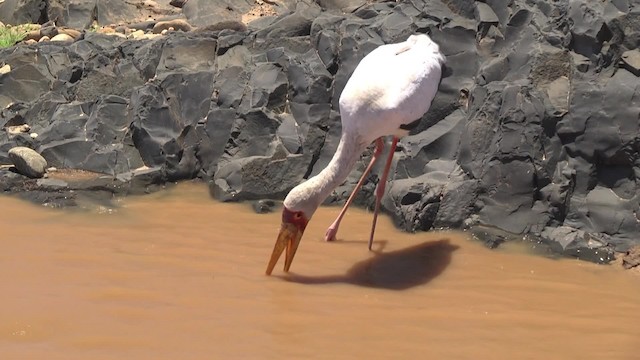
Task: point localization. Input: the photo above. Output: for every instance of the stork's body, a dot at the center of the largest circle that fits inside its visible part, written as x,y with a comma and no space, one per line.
391,87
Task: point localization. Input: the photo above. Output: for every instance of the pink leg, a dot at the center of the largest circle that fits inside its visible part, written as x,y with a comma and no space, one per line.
380,189
332,231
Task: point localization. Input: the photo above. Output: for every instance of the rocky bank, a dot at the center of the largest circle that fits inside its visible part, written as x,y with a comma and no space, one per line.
534,131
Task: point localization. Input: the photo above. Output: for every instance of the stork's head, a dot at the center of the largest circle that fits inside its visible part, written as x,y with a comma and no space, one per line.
298,208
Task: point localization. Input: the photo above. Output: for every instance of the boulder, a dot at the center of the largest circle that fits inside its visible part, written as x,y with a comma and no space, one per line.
16,12
252,178
207,12
28,162
576,243
80,14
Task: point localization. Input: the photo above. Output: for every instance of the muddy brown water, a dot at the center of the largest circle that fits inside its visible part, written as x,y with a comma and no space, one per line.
175,275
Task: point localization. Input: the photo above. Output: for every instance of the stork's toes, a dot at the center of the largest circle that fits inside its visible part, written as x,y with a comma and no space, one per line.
330,235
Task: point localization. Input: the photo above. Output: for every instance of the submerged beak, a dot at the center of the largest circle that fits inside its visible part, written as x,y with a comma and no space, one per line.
289,238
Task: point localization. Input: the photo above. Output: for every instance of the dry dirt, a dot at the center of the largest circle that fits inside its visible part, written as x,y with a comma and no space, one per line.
261,8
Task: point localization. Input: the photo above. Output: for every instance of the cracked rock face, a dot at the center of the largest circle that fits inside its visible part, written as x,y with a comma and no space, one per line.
534,129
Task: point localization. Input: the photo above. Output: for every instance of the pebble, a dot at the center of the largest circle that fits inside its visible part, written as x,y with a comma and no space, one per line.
117,34
263,206
136,34
171,25
106,30
150,36
44,38
62,37
5,69
75,34
33,35
18,129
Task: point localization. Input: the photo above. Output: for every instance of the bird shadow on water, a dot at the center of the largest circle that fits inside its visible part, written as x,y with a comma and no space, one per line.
395,270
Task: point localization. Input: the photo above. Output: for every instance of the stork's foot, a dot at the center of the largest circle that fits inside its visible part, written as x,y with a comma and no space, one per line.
331,233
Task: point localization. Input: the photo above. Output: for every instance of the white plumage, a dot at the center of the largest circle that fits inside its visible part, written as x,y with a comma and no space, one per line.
392,86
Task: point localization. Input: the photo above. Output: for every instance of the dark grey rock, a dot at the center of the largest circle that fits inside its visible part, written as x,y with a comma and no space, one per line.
320,130
253,134
230,86
258,177
395,26
457,204
589,30
326,44
229,39
52,184
465,8
51,199
163,113
238,56
309,80
234,27
178,3
490,236
357,42
207,12
144,55
527,134
577,243
297,23
288,133
631,61
485,14
81,13
74,13
28,162
267,87
24,71
341,5
143,180
213,142
185,53
421,202
263,206
17,12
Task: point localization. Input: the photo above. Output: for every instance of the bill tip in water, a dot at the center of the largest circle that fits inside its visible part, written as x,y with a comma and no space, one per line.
288,239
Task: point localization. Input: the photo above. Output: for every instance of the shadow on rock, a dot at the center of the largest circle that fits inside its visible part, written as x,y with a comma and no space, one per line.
395,270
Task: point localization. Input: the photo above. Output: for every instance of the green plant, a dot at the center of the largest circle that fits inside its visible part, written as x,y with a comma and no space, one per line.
10,35
94,27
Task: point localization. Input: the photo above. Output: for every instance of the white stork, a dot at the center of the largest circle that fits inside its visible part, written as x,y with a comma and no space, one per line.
391,88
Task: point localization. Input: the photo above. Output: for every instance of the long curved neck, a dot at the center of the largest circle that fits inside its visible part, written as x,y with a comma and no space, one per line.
315,190
348,151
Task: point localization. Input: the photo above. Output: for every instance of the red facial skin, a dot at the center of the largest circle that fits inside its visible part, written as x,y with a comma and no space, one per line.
295,217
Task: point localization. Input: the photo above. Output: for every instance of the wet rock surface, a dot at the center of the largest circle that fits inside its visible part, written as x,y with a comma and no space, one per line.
534,130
